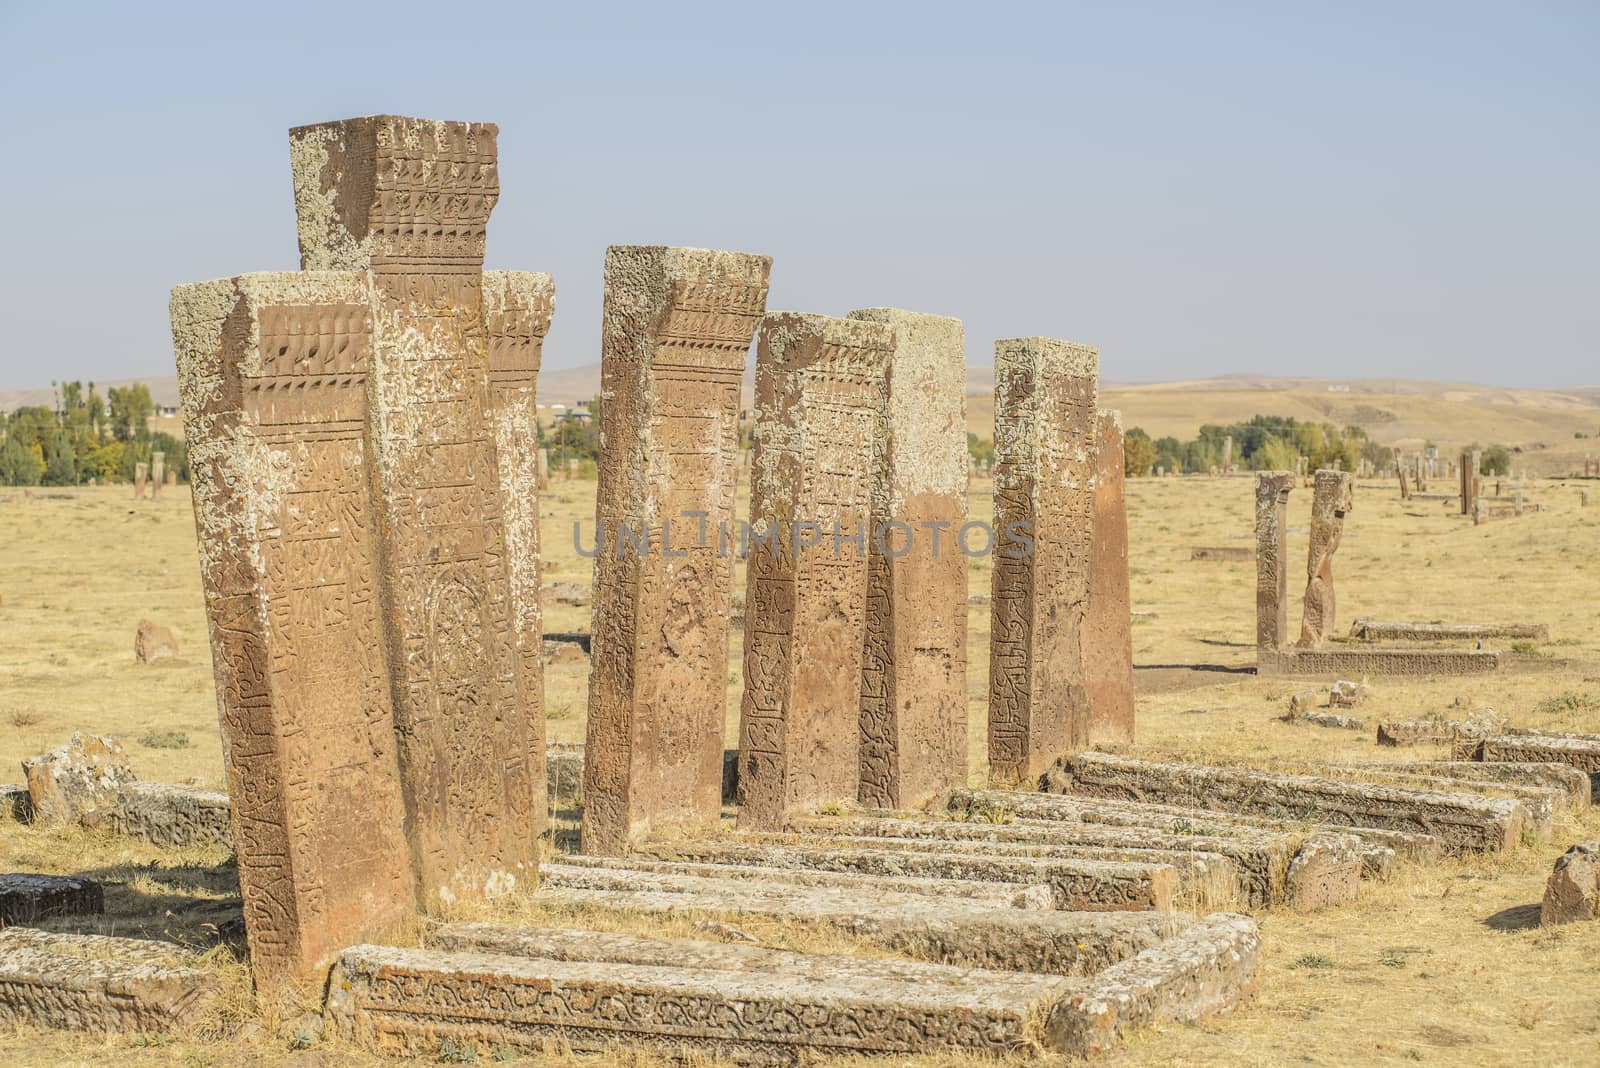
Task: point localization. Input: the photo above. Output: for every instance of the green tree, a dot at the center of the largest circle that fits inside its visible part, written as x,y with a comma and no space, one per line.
19,464
1138,453
131,409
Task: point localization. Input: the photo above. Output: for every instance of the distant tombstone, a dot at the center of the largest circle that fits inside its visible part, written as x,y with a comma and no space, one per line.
1227,454
1333,497
158,473
1272,573
141,473
172,477
677,328
819,438
544,469
572,470
1045,437
1108,642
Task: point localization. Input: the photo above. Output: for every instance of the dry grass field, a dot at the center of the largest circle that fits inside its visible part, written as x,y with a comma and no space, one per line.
1438,966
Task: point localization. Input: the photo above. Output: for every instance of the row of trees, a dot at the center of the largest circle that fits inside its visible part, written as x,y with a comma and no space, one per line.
85,436
1263,443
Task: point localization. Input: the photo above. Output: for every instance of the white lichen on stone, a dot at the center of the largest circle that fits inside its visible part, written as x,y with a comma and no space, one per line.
926,415
326,240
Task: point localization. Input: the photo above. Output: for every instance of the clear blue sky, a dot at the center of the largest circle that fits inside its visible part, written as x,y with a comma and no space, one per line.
1346,189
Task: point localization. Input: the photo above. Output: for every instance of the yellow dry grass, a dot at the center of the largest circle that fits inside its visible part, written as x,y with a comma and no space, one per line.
1438,966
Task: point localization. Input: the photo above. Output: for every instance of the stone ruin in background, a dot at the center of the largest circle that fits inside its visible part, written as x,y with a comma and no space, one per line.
1316,653
361,439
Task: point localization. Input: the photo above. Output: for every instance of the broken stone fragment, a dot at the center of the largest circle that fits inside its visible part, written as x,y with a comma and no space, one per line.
80,782
1573,890
1347,694
26,898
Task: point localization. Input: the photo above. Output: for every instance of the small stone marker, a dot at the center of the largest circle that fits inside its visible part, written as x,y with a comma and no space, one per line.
914,661
26,898
158,474
819,440
1108,628
152,642
1334,496
1573,890
141,474
1230,553
1046,432
678,325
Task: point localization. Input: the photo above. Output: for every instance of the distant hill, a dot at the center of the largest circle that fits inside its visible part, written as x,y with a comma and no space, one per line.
1542,423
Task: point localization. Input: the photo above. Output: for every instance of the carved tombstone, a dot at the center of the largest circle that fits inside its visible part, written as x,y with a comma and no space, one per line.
273,371
1045,437
1272,544
451,423
544,469
1333,497
158,474
914,660
678,325
818,441
1108,641
141,473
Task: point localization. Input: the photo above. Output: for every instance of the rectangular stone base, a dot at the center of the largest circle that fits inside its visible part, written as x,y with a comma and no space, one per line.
1081,885
947,931
174,816
497,988
1376,662
26,898
1463,823
1374,630
95,983
676,998
1581,751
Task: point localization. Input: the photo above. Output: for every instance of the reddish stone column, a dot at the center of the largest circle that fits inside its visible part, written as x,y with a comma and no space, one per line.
678,325
450,426
273,371
818,439
1108,643
1045,445
1272,548
914,663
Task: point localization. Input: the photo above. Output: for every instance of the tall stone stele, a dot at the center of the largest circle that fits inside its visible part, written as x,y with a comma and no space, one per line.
676,334
1046,434
818,439
1272,548
1333,496
914,661
361,437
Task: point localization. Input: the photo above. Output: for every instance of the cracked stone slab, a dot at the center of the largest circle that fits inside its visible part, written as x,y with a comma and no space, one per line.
1581,751
1570,781
1374,630
173,816
97,983
957,932
1464,822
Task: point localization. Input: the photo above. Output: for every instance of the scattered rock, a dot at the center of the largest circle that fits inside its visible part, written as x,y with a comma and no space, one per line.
1328,719
152,642
1301,702
1347,694
1573,891
564,653
81,782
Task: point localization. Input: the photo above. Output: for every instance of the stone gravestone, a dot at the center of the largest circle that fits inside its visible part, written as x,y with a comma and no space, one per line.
360,437
158,473
544,469
1272,543
1333,496
678,325
141,472
819,440
1108,642
452,426
914,662
1045,433
272,369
